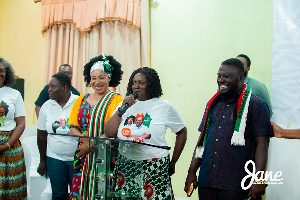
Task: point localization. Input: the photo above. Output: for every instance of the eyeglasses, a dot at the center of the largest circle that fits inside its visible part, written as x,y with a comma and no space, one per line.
3,71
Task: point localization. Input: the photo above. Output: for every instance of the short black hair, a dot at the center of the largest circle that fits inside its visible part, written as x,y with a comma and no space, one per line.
116,75
64,65
64,79
132,117
153,82
235,62
247,59
10,76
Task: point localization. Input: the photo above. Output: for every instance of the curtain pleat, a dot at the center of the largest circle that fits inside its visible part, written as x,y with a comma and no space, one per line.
85,14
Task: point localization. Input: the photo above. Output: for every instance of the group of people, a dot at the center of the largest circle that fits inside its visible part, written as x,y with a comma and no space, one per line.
235,128
101,114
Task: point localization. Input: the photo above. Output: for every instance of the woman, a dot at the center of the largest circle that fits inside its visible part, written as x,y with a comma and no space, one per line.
100,73
12,164
56,151
157,115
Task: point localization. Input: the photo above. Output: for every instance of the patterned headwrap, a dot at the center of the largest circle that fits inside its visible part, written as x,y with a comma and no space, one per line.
103,65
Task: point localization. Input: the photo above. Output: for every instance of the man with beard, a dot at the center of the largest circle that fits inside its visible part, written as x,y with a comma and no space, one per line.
257,87
235,128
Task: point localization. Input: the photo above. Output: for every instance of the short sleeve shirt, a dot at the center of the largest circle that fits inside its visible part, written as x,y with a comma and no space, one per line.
222,165
50,119
157,115
11,106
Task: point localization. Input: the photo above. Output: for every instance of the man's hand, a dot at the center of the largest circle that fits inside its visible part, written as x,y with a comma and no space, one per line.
257,190
190,179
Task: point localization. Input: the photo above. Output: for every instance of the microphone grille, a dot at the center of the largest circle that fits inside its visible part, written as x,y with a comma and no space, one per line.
135,95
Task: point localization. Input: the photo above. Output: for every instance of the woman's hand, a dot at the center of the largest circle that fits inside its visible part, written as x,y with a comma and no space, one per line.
42,169
128,100
171,168
82,151
278,131
85,147
3,148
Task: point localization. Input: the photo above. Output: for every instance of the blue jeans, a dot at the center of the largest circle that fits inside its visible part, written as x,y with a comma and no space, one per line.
61,175
207,193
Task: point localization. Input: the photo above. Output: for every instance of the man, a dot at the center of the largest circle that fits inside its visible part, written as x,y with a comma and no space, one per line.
63,128
257,87
140,131
44,96
235,128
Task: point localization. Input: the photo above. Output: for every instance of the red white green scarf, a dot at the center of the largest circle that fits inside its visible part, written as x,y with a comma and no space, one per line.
237,138
88,182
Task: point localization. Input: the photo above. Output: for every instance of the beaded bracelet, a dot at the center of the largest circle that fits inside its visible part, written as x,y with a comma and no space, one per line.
8,145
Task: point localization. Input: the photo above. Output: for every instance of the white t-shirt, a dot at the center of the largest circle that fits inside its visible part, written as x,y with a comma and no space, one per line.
51,114
156,114
11,106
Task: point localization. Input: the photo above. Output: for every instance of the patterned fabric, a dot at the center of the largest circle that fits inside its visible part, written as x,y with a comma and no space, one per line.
12,171
83,119
240,119
145,179
98,117
83,116
75,120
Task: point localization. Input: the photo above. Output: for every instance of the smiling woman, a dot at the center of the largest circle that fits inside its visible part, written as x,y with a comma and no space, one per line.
100,73
12,125
152,117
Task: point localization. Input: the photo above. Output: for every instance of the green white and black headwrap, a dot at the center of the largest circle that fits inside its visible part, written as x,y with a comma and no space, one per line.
103,65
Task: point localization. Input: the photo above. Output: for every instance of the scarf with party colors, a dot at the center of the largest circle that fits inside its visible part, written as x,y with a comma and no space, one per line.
237,138
88,182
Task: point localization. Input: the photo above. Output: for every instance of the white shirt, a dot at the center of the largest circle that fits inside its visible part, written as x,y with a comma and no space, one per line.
139,131
12,103
159,114
63,130
58,147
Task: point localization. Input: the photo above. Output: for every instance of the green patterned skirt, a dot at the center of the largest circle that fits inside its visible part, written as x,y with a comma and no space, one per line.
13,183
145,179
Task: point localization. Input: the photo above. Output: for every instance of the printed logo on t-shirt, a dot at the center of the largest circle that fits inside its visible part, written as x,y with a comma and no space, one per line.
137,128
61,126
3,113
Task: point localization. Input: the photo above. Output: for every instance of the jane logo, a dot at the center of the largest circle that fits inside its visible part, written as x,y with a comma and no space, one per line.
265,177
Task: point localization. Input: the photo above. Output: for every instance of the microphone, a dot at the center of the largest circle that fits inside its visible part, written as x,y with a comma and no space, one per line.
248,198
126,106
